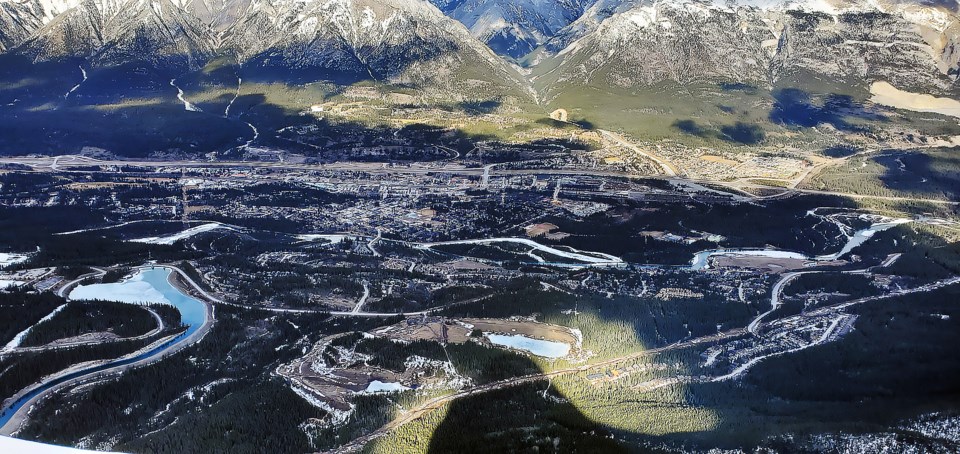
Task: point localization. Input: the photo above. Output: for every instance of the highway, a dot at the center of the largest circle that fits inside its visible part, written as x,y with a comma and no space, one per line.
777,293
65,289
436,403
775,301
356,312
668,168
64,163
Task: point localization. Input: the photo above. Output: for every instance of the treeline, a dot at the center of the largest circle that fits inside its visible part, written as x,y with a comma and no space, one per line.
24,184
418,297
193,274
123,320
456,293
24,228
141,193
782,223
242,346
854,285
91,249
115,275
370,413
168,313
73,272
262,416
392,355
922,266
931,173
23,369
20,309
487,364
283,283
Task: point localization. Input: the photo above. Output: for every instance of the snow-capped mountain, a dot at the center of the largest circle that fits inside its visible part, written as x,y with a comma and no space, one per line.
615,43
635,43
514,27
401,41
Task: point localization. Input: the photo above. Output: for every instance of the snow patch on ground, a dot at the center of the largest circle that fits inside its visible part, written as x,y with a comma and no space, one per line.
15,445
701,259
133,291
453,379
378,386
938,425
170,239
579,336
7,258
332,238
187,105
15,342
593,258
5,284
337,417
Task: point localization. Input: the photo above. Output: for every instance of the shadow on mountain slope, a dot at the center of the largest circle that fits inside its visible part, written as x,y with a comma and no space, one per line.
796,107
135,110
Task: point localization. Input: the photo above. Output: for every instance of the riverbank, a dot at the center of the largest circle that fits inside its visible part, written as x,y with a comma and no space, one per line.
86,373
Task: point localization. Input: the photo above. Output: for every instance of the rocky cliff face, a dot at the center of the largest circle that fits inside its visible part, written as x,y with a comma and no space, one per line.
690,41
514,28
398,41
615,43
21,19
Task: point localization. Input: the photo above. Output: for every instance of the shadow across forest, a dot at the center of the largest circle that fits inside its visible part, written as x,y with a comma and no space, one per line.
572,415
792,107
921,173
796,107
740,132
861,383
138,110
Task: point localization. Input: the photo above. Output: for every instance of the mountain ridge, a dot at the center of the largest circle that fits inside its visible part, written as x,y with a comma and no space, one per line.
389,40
415,42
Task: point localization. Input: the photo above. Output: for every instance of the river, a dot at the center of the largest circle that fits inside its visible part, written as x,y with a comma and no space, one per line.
701,260
148,285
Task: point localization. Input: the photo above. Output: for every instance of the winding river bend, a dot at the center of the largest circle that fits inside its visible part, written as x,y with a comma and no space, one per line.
701,260
149,285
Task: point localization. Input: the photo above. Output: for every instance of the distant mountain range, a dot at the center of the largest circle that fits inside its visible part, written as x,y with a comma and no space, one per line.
400,41
137,71
540,43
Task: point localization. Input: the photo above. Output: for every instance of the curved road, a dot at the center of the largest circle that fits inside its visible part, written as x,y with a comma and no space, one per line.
668,168
40,348
54,164
72,377
776,294
775,301
416,413
213,299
